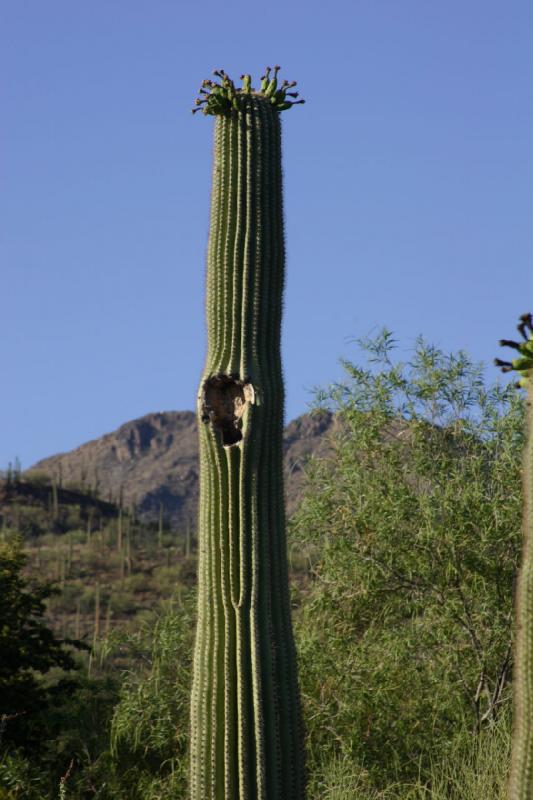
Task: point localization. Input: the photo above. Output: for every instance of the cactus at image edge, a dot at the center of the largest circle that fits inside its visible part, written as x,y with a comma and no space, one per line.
521,776
247,738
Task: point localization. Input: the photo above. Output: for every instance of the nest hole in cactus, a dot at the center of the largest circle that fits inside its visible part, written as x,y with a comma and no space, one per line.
224,401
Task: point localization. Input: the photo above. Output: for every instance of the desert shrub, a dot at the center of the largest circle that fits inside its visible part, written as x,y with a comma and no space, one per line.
412,524
150,723
50,539
78,536
37,477
124,602
31,522
140,582
66,600
87,600
166,579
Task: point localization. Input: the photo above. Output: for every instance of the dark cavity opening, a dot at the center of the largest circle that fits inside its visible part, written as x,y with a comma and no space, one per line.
224,400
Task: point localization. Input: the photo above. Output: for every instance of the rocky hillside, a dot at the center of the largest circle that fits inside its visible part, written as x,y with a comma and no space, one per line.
152,462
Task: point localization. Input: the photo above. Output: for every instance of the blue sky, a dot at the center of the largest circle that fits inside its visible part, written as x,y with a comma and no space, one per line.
408,196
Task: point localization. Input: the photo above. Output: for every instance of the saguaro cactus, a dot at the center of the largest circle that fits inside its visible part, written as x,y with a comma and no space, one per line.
521,777
246,729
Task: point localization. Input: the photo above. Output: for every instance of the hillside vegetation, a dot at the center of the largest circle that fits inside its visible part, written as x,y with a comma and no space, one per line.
403,555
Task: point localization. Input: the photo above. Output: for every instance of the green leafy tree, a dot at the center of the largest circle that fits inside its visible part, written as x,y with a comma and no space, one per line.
412,526
28,648
124,736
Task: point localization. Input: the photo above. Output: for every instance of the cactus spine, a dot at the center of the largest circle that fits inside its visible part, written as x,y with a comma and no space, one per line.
521,777
246,729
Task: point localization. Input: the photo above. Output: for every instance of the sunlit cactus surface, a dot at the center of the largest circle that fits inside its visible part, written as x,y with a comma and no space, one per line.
246,729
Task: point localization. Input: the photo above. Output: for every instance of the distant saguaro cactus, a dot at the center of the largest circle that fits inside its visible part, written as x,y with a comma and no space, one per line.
521,777
246,728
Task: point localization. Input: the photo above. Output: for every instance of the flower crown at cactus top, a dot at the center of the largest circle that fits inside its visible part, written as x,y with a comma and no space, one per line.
524,363
222,98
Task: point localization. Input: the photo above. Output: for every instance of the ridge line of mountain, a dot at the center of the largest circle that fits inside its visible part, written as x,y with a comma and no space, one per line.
152,463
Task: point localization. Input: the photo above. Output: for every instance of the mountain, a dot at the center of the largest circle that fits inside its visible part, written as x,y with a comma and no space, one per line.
152,463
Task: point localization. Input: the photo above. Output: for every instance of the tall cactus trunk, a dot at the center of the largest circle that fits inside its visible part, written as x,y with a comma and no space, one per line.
246,729
521,776
521,780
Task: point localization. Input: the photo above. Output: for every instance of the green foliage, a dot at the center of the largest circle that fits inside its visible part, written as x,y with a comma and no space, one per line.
37,477
75,729
28,648
149,730
167,578
127,737
412,525
141,582
474,768
18,779
124,603
67,598
69,720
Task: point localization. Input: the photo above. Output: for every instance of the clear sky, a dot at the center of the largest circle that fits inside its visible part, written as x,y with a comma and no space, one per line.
408,193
